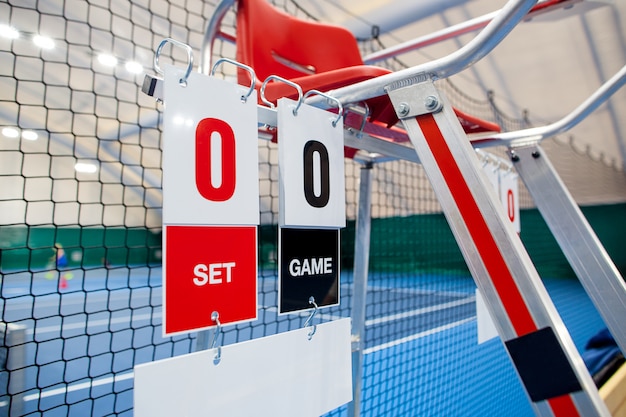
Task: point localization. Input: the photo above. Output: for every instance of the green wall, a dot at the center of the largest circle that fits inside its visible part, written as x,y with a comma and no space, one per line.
24,248
420,243
608,222
424,243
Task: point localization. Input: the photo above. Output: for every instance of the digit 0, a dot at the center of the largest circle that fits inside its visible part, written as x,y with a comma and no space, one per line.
510,200
310,149
204,159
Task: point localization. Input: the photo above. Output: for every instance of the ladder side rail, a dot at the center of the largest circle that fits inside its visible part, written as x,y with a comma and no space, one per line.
524,314
585,253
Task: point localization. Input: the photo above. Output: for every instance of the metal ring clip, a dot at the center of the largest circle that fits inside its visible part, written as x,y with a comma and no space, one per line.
242,66
498,163
482,156
308,320
183,81
366,114
327,97
283,80
486,159
215,316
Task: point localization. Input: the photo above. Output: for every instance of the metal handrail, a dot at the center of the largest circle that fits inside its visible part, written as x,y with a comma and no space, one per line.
211,33
502,24
455,31
537,134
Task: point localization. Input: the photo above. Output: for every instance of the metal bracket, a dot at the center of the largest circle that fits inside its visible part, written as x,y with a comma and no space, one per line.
153,86
427,101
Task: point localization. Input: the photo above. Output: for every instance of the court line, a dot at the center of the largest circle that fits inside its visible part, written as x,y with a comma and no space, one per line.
130,375
94,323
417,335
419,291
419,311
78,387
306,313
141,317
320,315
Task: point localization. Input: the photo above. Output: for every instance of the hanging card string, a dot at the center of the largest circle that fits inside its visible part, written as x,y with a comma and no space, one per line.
360,109
242,66
215,316
157,55
308,320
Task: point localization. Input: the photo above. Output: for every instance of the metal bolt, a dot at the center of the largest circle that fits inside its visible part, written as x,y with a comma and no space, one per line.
431,103
403,109
536,154
514,156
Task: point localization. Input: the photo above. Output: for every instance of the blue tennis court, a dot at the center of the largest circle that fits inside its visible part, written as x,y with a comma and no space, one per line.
81,341
86,144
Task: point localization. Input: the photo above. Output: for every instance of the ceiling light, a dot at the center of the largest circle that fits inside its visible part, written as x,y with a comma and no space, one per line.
85,167
29,135
10,132
9,32
134,67
108,60
181,120
43,42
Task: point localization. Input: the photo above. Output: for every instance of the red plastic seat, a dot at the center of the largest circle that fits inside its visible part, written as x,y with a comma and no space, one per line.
312,54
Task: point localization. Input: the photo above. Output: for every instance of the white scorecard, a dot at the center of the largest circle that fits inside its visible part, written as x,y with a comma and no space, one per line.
311,161
284,375
210,152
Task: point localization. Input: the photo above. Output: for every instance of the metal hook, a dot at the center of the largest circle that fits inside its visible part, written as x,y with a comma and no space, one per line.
366,115
283,80
308,321
491,159
182,81
327,97
487,158
242,66
484,160
215,316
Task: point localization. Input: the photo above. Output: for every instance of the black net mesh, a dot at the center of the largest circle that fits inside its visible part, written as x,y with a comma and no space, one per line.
80,231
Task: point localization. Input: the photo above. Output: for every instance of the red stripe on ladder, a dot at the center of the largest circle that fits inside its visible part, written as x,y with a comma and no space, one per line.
492,258
563,406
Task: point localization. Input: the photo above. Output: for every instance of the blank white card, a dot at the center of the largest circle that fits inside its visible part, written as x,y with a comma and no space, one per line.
283,375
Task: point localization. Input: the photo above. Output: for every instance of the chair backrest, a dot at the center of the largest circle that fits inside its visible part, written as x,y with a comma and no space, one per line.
275,43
